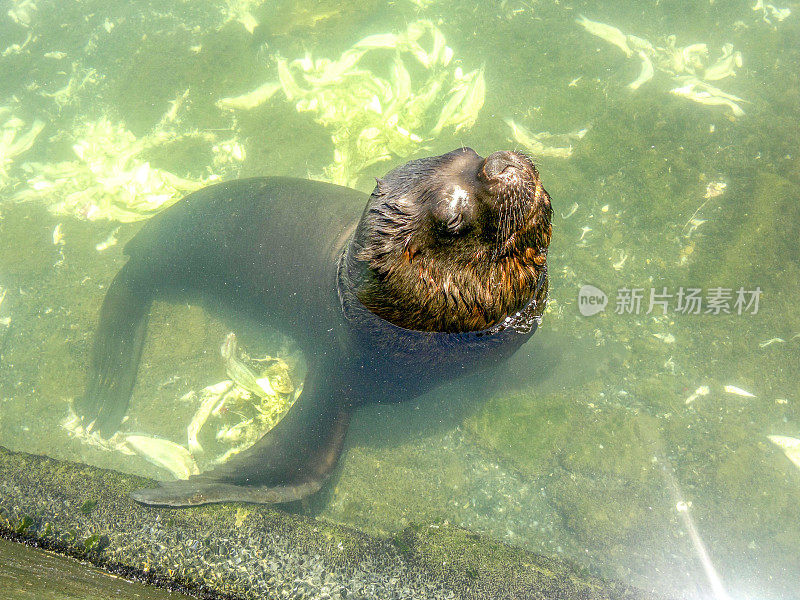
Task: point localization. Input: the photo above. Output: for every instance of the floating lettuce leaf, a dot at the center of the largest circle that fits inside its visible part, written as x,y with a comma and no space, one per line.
408,96
109,178
15,138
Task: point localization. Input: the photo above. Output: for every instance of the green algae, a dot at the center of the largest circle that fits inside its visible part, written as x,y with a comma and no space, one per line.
761,213
547,421
145,542
88,506
647,156
603,484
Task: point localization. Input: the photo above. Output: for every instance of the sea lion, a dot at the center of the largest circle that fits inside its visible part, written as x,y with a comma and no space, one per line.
444,272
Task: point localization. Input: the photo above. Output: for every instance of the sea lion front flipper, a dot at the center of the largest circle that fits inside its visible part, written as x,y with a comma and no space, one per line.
116,353
290,462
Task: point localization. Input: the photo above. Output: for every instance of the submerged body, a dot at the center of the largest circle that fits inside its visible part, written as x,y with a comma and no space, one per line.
443,272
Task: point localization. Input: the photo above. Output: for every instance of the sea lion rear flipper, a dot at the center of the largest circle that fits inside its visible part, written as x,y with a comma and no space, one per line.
116,353
290,462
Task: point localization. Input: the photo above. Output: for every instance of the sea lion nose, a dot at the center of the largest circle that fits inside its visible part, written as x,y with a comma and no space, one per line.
496,163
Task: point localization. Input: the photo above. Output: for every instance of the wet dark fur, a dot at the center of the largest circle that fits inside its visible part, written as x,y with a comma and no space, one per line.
422,279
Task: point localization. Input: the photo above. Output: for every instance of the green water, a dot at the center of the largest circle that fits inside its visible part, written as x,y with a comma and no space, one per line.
38,575
609,438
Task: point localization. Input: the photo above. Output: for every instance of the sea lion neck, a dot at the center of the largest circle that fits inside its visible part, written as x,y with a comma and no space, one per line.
453,243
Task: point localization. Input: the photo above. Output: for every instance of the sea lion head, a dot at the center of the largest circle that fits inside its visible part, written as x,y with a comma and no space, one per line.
453,243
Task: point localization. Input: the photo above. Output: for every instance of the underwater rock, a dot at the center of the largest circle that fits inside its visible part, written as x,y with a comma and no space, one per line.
225,551
759,210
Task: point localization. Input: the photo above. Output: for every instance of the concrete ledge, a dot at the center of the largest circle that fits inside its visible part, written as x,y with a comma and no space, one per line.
238,551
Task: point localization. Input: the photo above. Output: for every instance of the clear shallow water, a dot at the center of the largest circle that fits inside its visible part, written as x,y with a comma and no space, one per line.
610,438
29,573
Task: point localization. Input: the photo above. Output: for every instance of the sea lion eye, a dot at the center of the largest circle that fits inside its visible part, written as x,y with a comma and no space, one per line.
451,220
455,222
453,211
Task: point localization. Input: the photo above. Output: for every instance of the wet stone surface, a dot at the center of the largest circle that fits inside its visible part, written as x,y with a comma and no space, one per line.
247,551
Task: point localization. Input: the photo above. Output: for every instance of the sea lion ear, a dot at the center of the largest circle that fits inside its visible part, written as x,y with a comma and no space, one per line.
410,249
